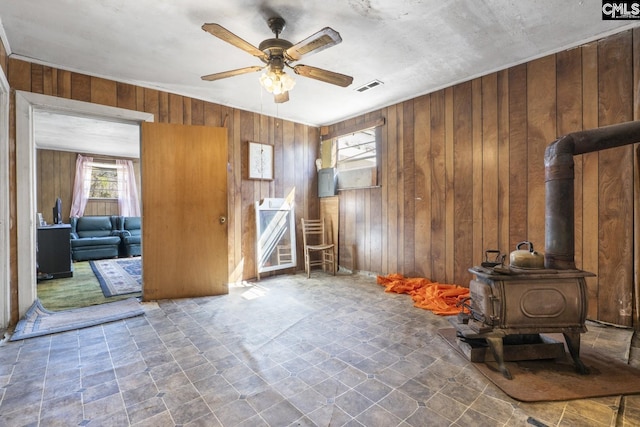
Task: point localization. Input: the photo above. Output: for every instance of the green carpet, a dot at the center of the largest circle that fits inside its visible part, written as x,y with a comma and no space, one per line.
81,290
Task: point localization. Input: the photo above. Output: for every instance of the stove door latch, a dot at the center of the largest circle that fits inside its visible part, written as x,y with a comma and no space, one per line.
468,312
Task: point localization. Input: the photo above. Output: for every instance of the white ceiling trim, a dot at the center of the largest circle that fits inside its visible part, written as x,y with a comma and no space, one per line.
3,37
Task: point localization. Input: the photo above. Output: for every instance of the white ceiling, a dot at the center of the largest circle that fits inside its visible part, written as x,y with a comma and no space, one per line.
413,46
84,134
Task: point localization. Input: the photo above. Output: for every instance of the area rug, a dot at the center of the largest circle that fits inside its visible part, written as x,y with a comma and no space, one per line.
118,276
554,380
39,321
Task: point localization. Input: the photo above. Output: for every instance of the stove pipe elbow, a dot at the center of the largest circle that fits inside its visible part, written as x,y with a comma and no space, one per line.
559,176
559,216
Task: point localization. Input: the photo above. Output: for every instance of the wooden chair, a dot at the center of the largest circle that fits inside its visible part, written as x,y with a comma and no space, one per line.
313,237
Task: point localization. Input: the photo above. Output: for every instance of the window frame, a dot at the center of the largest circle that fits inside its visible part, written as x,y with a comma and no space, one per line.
333,137
103,165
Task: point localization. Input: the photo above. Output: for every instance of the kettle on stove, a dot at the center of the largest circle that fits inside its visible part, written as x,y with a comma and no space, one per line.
526,258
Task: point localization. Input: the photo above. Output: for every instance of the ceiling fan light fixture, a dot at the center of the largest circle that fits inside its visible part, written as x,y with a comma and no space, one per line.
276,81
278,53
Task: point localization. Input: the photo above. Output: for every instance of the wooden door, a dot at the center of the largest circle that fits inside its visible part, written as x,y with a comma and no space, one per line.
184,209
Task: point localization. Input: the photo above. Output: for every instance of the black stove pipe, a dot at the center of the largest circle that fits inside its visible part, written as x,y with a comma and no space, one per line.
559,175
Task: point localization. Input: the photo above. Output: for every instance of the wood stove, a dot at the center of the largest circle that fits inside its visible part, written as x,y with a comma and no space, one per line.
508,302
519,303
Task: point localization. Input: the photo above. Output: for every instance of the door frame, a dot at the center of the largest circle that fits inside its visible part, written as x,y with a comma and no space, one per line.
5,216
26,104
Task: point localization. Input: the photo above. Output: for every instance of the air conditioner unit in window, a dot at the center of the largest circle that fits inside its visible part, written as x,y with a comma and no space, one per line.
327,181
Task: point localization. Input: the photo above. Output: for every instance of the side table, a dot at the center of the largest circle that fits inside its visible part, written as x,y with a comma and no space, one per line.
54,250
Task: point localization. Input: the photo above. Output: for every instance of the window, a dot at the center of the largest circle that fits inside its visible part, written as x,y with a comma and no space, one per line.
357,150
353,153
104,181
357,159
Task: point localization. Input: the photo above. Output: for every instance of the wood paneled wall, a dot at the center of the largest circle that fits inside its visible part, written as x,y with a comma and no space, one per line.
462,167
294,144
55,176
463,171
4,58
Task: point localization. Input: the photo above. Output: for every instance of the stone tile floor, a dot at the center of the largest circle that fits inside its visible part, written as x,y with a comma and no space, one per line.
324,351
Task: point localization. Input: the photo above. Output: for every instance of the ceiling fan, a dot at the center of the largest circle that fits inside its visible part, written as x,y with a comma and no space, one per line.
279,53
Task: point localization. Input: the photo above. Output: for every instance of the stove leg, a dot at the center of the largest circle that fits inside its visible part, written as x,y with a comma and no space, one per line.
497,348
573,342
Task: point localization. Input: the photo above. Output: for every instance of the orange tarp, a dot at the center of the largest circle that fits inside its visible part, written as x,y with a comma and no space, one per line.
439,298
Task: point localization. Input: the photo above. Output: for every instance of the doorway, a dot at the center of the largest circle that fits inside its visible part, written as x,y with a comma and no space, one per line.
27,104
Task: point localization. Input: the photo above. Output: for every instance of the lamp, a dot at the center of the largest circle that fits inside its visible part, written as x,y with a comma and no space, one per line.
276,81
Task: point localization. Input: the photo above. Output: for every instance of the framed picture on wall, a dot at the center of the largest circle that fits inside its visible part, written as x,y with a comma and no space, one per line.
260,161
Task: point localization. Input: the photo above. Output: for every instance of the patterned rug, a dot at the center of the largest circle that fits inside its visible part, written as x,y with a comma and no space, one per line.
39,321
118,276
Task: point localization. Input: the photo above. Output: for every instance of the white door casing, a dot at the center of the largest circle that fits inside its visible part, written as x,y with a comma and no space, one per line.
5,274
26,104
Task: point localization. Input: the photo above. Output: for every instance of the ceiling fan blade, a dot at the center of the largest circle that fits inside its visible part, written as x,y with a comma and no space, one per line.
283,97
323,75
226,35
231,73
321,40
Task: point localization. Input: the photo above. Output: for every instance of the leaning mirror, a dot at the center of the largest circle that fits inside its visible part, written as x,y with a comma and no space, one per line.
276,235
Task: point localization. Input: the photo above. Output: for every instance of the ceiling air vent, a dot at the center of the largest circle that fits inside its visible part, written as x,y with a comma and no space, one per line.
369,85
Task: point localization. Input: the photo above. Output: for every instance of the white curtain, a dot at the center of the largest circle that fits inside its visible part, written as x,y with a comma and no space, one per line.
128,202
81,185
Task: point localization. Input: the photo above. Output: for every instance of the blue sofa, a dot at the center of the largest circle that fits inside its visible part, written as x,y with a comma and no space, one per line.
130,229
94,237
